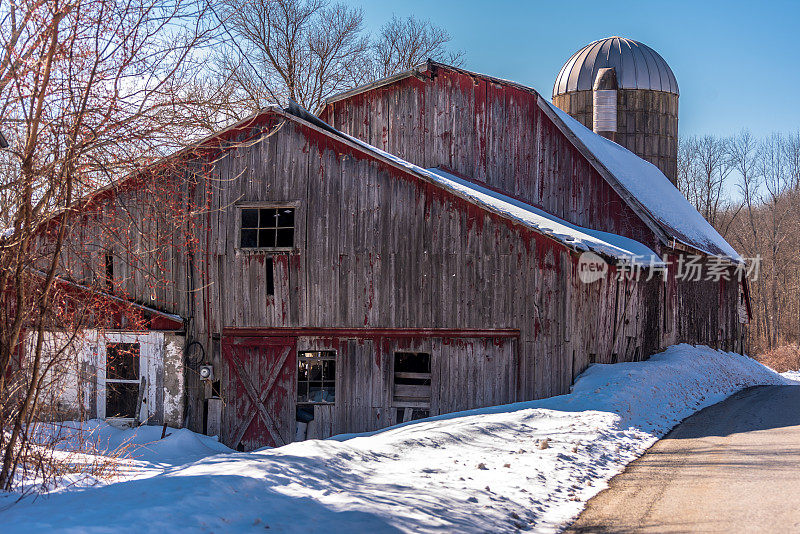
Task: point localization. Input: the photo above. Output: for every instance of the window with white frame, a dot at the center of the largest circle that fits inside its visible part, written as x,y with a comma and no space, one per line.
266,227
122,380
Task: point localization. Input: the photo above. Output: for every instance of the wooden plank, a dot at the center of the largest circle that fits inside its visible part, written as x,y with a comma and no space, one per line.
412,391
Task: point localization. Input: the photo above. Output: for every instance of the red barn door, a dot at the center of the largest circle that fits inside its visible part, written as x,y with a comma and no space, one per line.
258,376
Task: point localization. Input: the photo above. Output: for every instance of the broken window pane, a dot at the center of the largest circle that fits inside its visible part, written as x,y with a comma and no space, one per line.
268,218
316,377
121,399
267,228
266,238
285,218
285,237
249,238
249,218
413,367
412,383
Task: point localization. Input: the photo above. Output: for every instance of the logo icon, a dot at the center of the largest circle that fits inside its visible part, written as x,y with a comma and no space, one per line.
591,267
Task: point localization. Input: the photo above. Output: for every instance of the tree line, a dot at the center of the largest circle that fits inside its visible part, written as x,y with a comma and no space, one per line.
748,187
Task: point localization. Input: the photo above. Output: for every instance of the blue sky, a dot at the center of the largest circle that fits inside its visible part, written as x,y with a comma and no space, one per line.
736,62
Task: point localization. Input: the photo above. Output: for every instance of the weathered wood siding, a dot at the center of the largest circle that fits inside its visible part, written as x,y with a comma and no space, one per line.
493,134
377,247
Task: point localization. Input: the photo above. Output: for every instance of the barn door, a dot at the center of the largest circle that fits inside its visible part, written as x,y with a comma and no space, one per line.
258,388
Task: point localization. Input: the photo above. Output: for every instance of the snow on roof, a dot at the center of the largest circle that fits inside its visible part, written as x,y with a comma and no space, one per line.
580,238
621,248
583,239
668,207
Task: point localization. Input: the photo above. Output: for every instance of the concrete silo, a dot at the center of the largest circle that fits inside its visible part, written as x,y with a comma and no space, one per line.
625,91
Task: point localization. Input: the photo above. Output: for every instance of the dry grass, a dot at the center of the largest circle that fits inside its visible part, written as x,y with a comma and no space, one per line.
782,359
56,455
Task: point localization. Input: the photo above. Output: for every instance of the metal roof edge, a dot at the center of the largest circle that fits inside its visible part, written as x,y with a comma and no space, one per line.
374,85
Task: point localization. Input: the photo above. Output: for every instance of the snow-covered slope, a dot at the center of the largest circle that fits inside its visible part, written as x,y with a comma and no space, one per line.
528,465
792,375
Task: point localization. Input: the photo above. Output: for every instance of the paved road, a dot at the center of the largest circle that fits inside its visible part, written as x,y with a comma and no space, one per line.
733,467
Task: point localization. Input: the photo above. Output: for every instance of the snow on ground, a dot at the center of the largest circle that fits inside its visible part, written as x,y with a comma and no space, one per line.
528,465
792,375
144,443
135,452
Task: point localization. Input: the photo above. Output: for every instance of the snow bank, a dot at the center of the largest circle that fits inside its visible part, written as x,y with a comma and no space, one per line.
142,444
527,465
792,375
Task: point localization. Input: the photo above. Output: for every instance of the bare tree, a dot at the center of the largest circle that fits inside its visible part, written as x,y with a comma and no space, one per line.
405,43
714,166
792,149
777,181
704,165
305,50
88,95
744,152
688,170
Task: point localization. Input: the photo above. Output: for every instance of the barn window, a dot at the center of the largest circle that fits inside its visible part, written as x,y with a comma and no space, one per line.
316,377
267,228
122,379
412,385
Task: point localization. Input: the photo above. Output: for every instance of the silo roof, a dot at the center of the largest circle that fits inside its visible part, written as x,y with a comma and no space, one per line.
637,66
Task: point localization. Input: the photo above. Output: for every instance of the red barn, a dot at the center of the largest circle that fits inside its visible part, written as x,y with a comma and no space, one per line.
330,286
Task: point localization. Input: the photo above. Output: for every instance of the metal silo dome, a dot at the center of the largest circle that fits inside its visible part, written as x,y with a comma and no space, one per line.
637,67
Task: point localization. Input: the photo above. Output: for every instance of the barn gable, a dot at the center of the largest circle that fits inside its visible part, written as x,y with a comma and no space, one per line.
505,134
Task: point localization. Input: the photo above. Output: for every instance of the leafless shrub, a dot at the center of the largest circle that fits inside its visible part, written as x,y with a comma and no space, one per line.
782,359
87,95
63,455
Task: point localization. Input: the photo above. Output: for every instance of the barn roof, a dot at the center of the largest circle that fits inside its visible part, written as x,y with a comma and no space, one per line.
114,308
580,238
642,185
573,236
648,185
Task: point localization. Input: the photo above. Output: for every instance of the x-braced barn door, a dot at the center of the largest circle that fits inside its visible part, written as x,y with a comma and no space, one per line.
258,388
